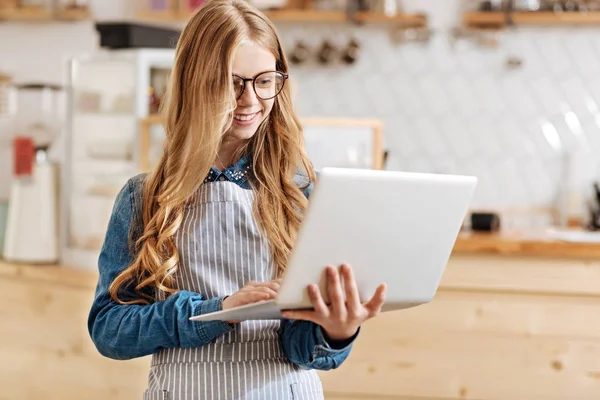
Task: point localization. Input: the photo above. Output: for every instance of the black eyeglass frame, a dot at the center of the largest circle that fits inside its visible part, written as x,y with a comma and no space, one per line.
253,80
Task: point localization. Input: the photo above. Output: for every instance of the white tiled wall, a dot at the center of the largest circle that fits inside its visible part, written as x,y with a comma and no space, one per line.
446,109
461,110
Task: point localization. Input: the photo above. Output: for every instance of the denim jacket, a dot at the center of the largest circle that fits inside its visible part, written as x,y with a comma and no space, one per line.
129,331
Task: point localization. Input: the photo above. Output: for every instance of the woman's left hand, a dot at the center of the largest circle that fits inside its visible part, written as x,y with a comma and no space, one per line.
340,320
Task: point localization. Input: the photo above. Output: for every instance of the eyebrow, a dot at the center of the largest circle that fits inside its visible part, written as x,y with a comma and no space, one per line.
262,72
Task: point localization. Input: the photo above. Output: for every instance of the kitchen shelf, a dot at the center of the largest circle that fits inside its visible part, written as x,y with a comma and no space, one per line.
160,16
104,114
153,119
74,14
25,14
495,19
33,15
298,15
341,16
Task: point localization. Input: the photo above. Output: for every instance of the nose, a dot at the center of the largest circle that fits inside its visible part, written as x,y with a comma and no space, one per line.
248,97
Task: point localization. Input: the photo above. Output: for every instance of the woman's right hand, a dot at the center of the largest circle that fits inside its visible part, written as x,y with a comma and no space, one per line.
252,292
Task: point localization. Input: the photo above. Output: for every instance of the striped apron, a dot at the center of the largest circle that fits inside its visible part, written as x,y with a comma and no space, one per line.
221,249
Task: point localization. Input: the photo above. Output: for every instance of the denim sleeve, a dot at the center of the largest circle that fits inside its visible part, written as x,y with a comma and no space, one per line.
129,331
305,345
302,180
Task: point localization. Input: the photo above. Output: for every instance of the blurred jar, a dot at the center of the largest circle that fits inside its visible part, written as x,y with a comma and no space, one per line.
35,4
193,4
486,5
527,5
160,5
74,4
38,114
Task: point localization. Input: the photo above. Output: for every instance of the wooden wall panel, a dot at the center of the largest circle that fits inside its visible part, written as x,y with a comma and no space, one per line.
525,315
46,352
482,346
522,275
499,328
453,365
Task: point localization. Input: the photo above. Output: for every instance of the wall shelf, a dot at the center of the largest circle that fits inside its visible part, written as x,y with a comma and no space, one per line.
160,16
299,15
153,119
40,14
489,19
25,14
73,14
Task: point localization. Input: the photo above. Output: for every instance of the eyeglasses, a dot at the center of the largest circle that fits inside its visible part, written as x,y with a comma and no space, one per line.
266,85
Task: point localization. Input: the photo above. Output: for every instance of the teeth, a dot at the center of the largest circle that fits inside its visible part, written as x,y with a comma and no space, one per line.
244,117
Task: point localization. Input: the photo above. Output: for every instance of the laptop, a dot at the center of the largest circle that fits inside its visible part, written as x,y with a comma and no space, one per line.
397,228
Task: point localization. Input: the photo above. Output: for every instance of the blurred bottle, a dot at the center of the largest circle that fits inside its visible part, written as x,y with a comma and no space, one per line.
33,4
32,223
38,114
159,5
193,4
153,101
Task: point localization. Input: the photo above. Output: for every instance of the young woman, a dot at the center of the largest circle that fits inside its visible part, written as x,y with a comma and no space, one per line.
212,227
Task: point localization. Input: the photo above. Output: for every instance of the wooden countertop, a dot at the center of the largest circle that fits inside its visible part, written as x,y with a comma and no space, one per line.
524,243
505,243
53,274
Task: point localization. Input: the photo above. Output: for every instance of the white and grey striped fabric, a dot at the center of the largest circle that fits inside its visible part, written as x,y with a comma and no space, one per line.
221,249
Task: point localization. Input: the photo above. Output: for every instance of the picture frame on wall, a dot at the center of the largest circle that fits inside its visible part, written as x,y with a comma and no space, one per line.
151,143
329,142
344,142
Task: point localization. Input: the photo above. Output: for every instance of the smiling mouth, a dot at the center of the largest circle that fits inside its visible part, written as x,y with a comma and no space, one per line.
245,117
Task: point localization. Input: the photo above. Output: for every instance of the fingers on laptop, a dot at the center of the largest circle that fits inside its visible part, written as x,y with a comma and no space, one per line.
252,297
336,295
317,300
274,284
352,296
252,293
264,290
374,305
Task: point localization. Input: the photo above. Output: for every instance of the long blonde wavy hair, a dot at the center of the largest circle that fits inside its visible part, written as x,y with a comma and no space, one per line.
198,112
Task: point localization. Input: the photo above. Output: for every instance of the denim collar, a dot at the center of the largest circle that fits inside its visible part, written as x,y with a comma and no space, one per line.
237,172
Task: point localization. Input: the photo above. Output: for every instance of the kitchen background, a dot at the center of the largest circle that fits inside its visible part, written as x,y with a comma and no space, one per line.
518,105
507,107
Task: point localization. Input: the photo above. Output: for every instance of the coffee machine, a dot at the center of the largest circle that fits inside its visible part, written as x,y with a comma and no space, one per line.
594,209
32,234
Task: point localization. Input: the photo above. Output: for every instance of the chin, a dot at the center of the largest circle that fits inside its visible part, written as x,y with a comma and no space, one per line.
244,133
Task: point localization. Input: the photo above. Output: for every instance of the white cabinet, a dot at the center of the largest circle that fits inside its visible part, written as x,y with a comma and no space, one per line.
108,93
